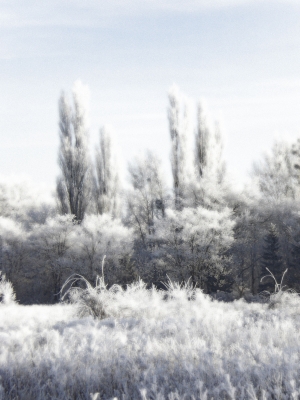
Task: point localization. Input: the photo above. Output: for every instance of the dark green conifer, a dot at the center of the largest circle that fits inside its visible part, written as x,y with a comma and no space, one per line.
271,259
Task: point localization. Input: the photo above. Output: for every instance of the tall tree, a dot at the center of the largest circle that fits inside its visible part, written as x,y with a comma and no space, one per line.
195,243
271,259
209,186
107,182
201,139
147,200
179,124
74,181
277,174
247,247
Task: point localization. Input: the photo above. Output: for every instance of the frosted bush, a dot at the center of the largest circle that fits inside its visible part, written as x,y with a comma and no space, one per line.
88,301
7,294
24,201
285,299
195,242
109,235
11,230
282,297
153,344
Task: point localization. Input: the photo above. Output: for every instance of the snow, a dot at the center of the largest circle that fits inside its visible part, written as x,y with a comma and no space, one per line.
154,345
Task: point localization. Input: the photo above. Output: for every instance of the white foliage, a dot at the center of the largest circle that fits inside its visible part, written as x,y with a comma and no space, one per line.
147,199
53,247
202,136
196,240
110,234
180,132
108,190
10,229
209,185
81,95
55,230
21,200
74,182
201,224
101,235
88,300
13,252
7,294
275,174
155,344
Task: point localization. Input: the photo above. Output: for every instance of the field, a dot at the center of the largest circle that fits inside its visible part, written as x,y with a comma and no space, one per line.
151,345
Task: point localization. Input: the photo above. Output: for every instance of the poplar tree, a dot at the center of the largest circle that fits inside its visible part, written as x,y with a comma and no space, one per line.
107,180
210,170
201,140
179,128
74,181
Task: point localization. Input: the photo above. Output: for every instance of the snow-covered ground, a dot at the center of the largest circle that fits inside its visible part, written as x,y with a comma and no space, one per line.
151,346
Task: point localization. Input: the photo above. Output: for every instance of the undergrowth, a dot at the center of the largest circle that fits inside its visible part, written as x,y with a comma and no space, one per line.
282,295
145,344
7,294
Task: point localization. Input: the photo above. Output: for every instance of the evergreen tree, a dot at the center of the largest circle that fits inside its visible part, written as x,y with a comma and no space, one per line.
293,276
271,259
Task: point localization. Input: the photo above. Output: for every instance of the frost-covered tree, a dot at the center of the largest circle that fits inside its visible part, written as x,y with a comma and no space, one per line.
201,139
7,293
107,180
25,202
295,161
209,184
271,259
276,174
196,243
254,215
17,259
147,201
74,182
216,160
99,236
252,218
179,126
13,248
52,247
148,196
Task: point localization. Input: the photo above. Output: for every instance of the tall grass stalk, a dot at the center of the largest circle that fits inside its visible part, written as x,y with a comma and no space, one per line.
282,296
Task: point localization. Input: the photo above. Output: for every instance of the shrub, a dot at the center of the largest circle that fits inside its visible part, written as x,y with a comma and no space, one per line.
7,294
281,296
88,300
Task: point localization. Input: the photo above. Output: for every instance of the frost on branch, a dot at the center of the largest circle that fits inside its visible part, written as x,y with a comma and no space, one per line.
7,294
107,180
196,243
75,180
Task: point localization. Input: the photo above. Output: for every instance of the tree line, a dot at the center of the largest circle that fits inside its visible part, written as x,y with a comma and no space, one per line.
201,229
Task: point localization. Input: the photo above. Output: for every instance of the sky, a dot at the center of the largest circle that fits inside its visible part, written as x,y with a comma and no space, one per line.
241,56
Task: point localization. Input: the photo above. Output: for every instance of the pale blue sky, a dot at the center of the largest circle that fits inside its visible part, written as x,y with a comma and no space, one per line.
242,56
